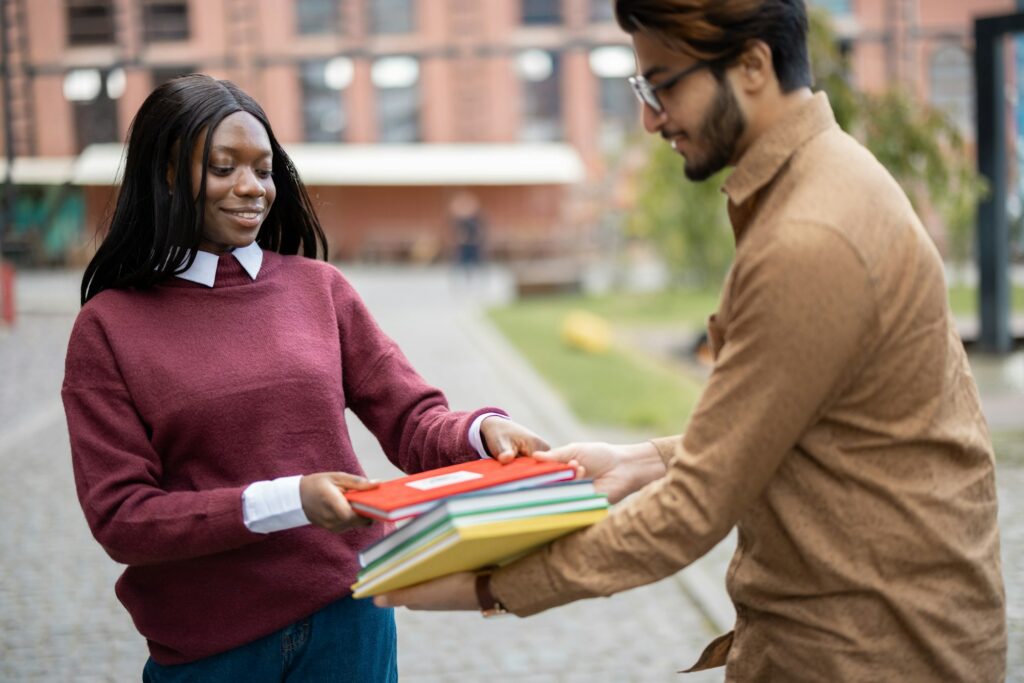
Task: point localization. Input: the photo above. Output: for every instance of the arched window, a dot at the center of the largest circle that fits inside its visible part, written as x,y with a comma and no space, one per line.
950,83
540,73
396,80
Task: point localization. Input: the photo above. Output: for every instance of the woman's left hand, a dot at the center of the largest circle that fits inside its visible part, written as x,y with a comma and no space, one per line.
506,439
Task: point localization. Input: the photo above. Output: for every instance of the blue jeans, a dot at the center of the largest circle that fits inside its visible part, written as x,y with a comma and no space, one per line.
349,641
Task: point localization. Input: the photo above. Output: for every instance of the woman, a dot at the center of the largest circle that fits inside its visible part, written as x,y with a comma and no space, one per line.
206,382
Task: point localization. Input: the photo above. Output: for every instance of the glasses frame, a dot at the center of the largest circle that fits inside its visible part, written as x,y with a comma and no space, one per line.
647,92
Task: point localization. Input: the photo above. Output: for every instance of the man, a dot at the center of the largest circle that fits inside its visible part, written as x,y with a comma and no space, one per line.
840,429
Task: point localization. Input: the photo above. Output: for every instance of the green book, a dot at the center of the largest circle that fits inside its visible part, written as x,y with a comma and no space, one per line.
442,525
510,503
472,547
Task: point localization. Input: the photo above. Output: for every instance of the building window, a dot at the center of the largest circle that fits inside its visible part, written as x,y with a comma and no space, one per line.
392,16
542,102
602,11
90,22
318,17
539,12
164,20
396,80
93,95
950,77
323,116
612,65
161,74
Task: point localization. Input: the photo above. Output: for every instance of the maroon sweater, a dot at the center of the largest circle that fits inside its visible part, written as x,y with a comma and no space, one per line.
180,396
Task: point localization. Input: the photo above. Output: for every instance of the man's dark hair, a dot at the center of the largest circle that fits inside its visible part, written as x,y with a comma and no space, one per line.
154,232
719,30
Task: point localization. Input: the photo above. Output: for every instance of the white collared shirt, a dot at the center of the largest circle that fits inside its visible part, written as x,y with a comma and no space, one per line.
204,268
276,505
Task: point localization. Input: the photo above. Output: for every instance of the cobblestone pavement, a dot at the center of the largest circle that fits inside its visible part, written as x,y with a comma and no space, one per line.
60,621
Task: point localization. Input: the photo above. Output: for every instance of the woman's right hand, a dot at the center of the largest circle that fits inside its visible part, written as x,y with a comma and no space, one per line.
324,503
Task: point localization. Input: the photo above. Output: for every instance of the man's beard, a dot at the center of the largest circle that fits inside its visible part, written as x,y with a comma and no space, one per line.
719,134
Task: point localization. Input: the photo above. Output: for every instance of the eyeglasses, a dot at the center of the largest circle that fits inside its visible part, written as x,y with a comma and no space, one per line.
648,93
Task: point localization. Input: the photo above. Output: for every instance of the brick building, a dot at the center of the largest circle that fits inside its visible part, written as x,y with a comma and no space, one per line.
391,106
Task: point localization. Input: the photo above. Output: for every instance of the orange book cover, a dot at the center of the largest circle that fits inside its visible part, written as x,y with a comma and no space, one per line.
416,493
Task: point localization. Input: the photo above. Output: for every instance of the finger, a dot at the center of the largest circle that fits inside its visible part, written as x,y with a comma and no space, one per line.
562,454
505,457
398,598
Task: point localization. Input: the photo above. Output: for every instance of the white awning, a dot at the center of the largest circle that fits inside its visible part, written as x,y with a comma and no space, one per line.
363,165
38,170
99,165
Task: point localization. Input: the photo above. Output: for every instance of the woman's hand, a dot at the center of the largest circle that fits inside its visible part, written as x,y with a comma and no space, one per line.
324,503
506,439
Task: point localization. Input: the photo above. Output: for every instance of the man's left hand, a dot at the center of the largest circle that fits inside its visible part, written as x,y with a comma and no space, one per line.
448,593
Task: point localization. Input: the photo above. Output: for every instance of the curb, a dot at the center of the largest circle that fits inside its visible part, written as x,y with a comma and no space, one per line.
704,580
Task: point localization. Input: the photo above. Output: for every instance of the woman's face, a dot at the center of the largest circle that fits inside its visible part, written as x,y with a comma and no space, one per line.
239,184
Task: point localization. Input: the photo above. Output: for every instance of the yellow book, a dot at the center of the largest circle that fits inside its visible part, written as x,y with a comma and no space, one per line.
472,547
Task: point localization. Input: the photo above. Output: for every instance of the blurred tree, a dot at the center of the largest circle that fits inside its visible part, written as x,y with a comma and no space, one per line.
920,145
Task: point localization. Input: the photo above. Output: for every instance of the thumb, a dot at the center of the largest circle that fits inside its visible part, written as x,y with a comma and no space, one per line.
560,454
352,482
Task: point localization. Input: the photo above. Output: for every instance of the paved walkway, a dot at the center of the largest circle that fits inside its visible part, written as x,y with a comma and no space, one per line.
59,620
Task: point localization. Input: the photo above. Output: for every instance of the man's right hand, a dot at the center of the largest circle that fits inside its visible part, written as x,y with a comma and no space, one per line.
324,503
617,471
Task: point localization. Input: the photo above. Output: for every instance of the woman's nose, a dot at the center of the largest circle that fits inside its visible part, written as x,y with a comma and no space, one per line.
249,184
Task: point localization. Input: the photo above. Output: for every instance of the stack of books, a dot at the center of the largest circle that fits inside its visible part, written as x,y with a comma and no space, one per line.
491,517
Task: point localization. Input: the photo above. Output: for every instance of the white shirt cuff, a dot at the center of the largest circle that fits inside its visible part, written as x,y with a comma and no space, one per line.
273,505
476,439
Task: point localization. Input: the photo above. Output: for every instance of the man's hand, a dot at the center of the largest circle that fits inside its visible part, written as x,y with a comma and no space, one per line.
617,471
452,592
506,439
324,504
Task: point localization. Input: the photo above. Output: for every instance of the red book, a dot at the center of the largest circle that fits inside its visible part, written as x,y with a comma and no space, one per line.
409,496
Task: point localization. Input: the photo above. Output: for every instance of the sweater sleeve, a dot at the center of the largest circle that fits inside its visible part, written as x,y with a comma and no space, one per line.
118,473
804,319
410,418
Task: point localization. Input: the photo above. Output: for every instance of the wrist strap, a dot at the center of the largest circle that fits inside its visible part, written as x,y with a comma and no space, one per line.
489,605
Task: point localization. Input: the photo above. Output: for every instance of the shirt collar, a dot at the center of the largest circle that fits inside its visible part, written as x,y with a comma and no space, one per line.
770,152
204,269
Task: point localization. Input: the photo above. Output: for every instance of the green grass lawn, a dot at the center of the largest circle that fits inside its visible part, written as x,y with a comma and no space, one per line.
964,299
626,387
620,387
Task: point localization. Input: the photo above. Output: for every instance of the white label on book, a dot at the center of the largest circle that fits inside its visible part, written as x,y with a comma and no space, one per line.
443,480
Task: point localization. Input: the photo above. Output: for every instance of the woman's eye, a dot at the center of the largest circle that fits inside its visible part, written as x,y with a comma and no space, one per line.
264,172
221,170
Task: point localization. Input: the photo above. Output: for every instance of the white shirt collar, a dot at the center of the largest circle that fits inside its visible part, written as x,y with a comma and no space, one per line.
204,268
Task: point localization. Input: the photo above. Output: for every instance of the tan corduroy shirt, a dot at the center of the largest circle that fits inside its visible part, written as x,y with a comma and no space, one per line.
840,431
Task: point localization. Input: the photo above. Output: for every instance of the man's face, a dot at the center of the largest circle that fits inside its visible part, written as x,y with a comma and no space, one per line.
239,184
702,119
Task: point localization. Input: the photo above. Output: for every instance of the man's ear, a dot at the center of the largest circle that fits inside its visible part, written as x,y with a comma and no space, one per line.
756,71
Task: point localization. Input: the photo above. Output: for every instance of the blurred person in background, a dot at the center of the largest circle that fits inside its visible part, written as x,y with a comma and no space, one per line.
469,230
206,384
840,429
